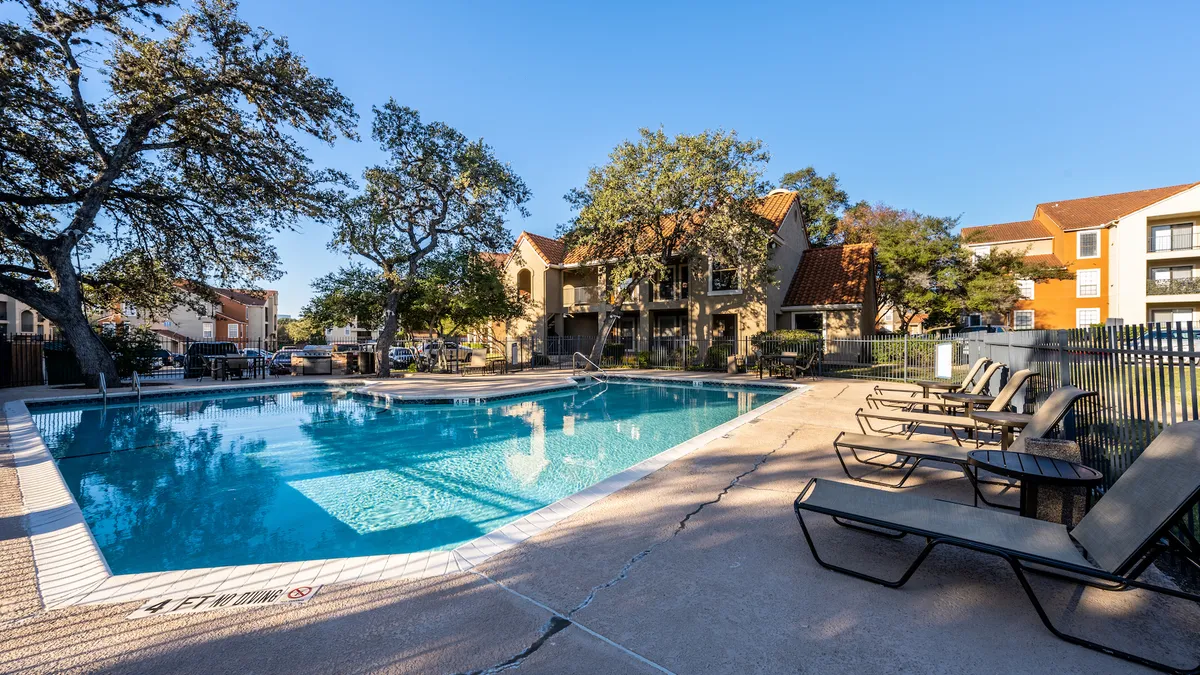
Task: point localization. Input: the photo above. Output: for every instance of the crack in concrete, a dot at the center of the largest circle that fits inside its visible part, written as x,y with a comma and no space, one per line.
625,570
559,622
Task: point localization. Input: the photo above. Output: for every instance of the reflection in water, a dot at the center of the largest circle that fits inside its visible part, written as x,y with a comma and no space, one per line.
317,474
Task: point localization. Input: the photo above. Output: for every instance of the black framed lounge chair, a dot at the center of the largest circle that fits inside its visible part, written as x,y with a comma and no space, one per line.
908,454
910,421
946,400
967,381
1136,520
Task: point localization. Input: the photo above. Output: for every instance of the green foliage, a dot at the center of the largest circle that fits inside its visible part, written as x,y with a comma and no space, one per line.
133,349
822,201
457,289
893,350
784,335
179,151
437,191
988,284
716,356
643,359
351,295
660,198
299,331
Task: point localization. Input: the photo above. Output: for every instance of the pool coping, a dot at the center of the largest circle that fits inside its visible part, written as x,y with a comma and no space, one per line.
71,570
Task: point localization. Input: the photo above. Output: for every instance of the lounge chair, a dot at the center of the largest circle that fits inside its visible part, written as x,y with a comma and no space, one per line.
945,401
966,382
913,420
1048,416
1131,525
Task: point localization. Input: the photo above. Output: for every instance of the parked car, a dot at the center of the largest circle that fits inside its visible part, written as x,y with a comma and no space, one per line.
982,329
453,351
165,359
281,361
256,352
402,356
195,363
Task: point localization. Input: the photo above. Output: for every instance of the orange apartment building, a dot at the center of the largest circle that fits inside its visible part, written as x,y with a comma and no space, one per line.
1081,234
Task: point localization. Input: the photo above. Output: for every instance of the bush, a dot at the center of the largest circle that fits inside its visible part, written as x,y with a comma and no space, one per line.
613,350
132,348
717,357
777,341
643,359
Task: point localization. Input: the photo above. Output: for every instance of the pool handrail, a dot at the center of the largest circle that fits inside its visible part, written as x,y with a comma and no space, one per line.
135,381
590,363
103,389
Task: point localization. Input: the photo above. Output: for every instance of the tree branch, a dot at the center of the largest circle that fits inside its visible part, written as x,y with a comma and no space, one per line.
21,269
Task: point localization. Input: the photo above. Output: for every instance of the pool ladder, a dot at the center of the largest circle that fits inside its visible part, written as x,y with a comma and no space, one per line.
575,362
104,389
135,382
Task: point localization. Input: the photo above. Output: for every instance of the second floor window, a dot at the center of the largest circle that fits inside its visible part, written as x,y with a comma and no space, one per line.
723,278
233,330
1026,287
1087,284
206,331
1089,244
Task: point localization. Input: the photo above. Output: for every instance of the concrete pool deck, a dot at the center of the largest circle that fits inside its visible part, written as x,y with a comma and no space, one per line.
697,567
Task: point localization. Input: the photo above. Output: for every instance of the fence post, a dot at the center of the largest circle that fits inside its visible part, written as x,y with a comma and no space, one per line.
905,357
1064,366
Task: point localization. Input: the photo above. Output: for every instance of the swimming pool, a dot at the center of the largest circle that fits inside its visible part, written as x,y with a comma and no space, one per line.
236,479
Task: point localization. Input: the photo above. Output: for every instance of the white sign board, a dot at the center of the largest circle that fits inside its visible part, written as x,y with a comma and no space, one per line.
186,604
945,361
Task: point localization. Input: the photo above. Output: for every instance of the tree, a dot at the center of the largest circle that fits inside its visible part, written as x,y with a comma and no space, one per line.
988,284
177,150
298,331
660,199
438,189
351,295
822,201
458,289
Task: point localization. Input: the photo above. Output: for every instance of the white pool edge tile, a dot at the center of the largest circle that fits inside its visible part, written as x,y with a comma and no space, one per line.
71,570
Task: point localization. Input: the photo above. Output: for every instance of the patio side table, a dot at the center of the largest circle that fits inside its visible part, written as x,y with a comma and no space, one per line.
1007,421
1033,471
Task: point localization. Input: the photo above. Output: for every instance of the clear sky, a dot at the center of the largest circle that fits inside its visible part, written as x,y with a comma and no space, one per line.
979,110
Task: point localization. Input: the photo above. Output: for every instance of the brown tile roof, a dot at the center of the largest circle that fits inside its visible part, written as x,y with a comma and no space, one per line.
1021,230
774,207
551,250
173,335
1046,259
251,298
1076,214
836,275
496,258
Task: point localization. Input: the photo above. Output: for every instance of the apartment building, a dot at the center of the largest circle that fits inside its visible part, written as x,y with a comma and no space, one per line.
831,290
1131,254
18,318
241,316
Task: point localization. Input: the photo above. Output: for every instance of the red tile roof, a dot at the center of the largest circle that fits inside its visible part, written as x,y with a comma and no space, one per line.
173,335
1076,214
1045,259
496,258
1022,230
250,298
836,275
551,250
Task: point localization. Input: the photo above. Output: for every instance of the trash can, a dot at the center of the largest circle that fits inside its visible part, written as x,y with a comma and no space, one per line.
366,362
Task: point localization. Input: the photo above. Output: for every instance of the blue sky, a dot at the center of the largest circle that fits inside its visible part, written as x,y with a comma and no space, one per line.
972,109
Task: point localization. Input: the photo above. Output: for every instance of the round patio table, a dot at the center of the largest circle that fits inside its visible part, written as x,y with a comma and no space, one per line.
1007,421
1034,471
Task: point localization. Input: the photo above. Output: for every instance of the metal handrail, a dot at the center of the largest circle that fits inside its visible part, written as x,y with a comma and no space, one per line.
136,383
590,363
104,389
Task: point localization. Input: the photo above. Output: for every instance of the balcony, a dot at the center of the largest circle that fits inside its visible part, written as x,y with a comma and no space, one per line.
666,290
575,296
1173,286
1175,241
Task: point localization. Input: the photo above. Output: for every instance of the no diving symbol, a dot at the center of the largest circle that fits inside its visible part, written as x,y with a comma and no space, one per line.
299,592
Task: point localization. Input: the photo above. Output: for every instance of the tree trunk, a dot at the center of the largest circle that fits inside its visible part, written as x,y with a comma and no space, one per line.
90,352
387,333
610,320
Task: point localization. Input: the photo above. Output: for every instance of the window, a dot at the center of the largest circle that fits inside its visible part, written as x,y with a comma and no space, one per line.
233,330
974,319
206,331
723,279
1170,315
128,309
167,323
525,282
1026,287
27,321
1088,244
1171,237
1087,284
1087,317
1023,319
814,321
346,331
981,251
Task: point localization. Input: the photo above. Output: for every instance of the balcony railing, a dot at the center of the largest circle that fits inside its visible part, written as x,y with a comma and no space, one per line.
1176,241
583,295
1173,286
665,290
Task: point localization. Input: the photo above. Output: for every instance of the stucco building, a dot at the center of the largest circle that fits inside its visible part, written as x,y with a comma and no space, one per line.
248,318
1133,255
831,290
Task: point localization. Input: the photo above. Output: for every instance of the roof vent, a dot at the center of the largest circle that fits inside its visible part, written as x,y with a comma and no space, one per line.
779,191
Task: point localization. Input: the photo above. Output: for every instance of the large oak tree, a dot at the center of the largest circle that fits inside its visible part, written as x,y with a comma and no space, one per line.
127,136
661,199
438,190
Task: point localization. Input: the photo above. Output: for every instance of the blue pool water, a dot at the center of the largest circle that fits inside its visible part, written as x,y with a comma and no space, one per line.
296,475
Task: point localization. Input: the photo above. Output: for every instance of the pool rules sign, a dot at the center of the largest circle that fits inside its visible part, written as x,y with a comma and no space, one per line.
203,602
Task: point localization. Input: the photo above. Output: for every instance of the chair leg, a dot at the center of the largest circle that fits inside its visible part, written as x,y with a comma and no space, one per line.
862,575
863,479
1082,642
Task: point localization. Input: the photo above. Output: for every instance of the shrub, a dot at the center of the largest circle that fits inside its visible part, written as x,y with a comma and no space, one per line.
717,356
613,350
776,341
643,359
132,348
